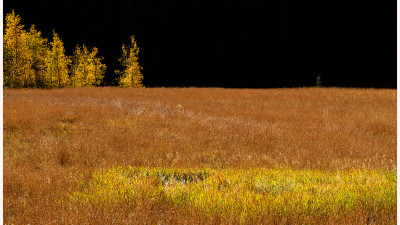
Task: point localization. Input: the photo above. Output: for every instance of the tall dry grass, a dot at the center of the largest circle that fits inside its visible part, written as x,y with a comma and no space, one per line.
54,139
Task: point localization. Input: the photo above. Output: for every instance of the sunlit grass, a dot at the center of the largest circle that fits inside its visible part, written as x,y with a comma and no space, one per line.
244,195
67,152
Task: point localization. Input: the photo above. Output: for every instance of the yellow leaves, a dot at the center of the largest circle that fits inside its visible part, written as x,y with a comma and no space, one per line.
17,55
131,75
30,61
57,63
13,20
39,53
87,69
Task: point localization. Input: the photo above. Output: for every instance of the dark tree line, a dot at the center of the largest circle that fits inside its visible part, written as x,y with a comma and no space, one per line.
252,43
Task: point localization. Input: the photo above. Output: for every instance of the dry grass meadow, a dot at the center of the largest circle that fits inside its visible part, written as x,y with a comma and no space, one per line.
199,156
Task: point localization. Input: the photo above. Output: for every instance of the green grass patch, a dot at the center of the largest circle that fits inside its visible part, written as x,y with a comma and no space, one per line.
245,195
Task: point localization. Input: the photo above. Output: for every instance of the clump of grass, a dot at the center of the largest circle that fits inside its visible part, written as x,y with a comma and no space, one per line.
120,184
246,195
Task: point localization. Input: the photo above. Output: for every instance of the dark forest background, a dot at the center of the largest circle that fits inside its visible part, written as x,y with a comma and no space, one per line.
221,43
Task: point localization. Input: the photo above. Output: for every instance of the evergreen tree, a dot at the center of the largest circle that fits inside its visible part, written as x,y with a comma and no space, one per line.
131,75
318,81
57,63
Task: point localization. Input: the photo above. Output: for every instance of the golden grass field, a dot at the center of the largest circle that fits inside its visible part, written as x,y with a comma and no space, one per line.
200,156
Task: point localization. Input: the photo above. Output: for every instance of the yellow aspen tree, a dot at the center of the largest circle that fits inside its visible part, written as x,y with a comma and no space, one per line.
78,68
28,73
131,75
87,68
84,66
57,63
39,49
97,68
17,58
90,79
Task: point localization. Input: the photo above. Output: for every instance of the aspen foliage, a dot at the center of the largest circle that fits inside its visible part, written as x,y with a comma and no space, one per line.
131,75
39,52
30,60
87,68
17,56
57,63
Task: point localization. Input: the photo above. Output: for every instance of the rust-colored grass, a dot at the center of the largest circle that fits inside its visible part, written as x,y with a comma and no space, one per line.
55,139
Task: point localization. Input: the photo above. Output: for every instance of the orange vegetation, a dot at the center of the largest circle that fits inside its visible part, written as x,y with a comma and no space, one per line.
54,139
